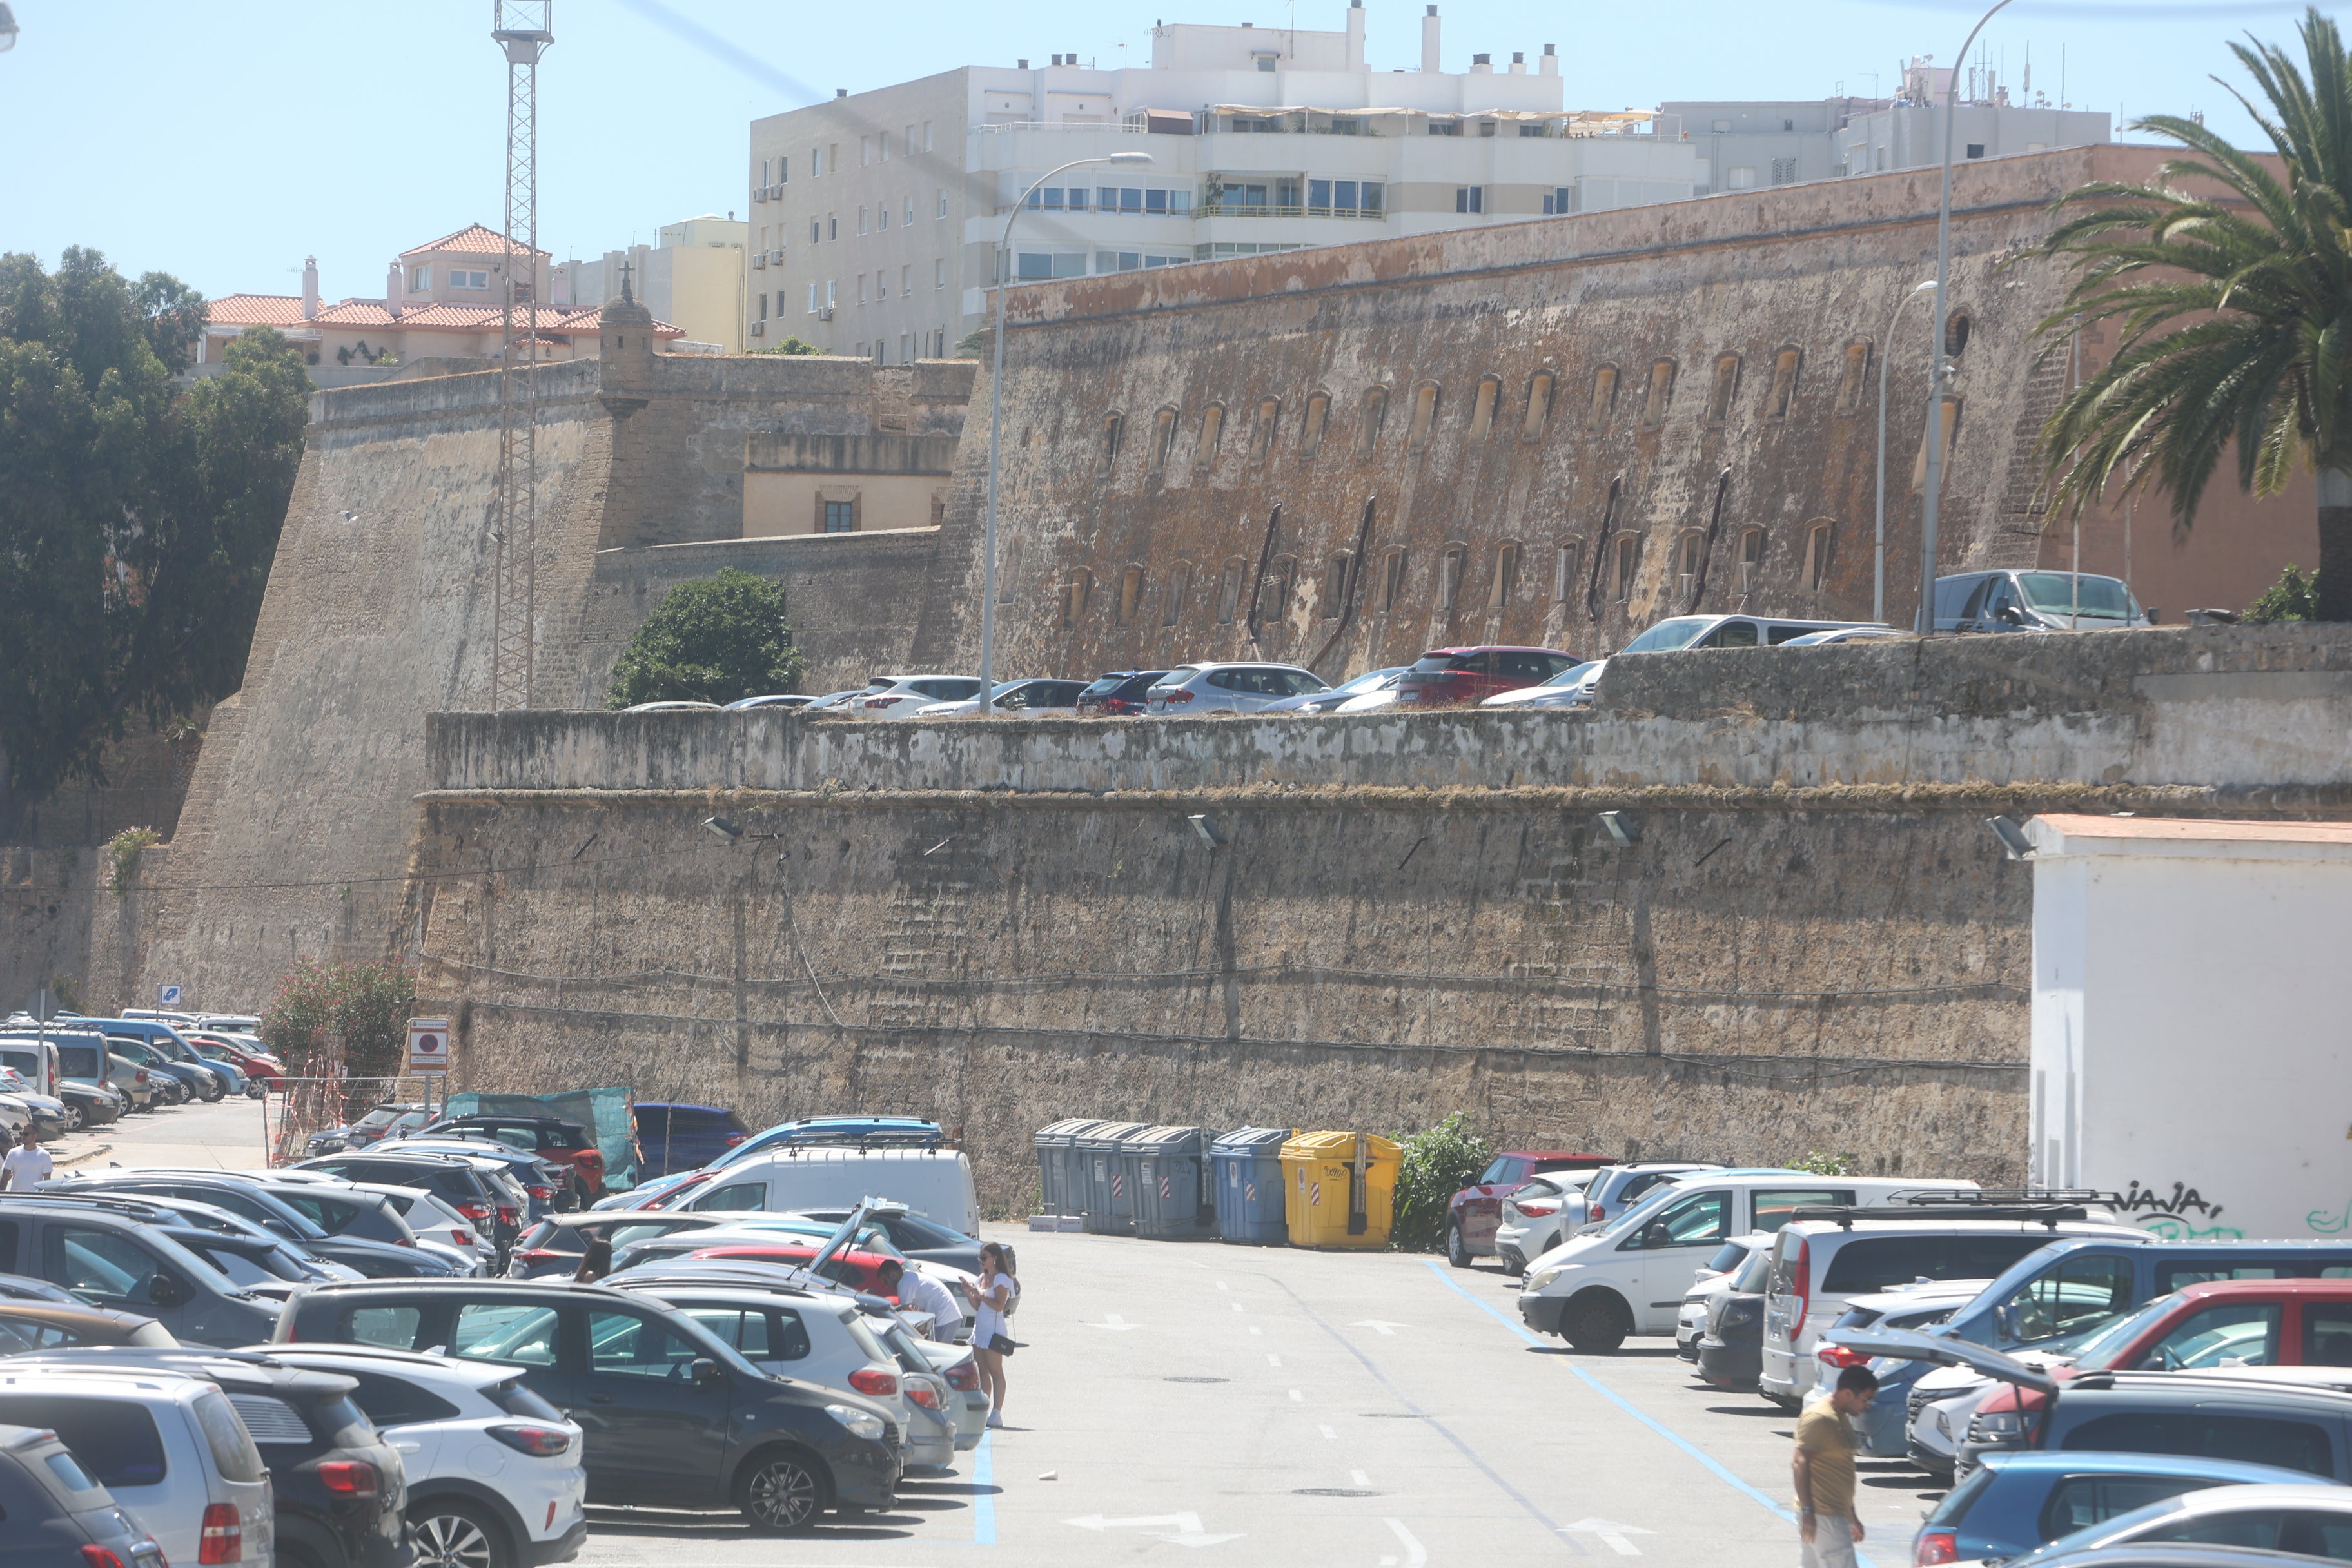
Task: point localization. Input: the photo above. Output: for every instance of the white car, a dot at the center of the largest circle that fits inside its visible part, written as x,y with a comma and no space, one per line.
1327,700
904,696
1372,699
1571,688
1194,689
1530,1221
1940,1406
1717,1276
435,1221
495,1477
1015,699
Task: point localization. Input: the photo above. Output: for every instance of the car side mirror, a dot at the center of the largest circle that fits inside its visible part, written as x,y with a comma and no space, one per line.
2008,1319
163,1290
1656,1235
2009,615
706,1372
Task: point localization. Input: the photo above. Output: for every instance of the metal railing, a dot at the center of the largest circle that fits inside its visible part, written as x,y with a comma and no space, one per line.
1240,209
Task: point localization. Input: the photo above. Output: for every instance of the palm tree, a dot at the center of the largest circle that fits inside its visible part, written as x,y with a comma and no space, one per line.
2235,310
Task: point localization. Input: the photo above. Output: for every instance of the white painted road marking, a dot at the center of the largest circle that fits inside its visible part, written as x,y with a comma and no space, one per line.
1359,1478
1188,1528
1328,1433
1221,1285
1613,1534
1415,1554
1114,1322
1236,1306
1385,1330
1297,1397
1256,1329
1274,1361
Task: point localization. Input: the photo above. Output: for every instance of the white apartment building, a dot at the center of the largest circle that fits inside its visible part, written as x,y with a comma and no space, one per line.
876,216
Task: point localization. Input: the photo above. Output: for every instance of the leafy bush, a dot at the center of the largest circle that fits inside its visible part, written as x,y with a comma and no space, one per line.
792,345
711,641
1815,1163
2293,598
1439,1162
364,1006
123,852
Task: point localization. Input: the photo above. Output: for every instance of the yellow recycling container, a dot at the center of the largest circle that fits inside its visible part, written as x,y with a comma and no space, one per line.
1339,1189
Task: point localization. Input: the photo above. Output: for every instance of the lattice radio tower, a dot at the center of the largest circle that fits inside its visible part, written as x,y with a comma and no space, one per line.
521,28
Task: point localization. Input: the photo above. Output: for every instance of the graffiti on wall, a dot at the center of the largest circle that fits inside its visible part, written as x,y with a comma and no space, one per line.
2183,1215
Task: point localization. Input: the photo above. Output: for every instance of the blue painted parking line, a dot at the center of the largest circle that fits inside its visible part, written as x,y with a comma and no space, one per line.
1636,1412
983,1493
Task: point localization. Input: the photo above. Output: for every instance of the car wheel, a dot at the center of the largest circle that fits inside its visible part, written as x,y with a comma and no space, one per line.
1457,1251
783,1491
1594,1322
453,1535
217,1090
73,1117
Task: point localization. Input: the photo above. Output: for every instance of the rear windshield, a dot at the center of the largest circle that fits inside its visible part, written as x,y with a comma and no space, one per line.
866,1339
231,1444
1108,684
516,1400
1440,663
1680,632
115,1439
1728,1256
1878,1262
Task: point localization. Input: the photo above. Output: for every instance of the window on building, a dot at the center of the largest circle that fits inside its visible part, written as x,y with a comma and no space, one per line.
943,206
830,289
812,299
1213,430
420,278
1163,437
1482,407
1180,583
1604,398
864,150
1451,564
1376,408
1229,591
1269,419
468,278
1424,416
817,231
1783,390
784,171
1131,595
906,348
1727,382
1073,595
1107,452
861,220
1687,551
816,162
939,272
1446,128
1784,170
764,306
1817,556
861,288
1538,415
1559,201
1335,585
1662,393
885,140
763,171
1976,150
1274,589
927,135
882,217
1628,563
1470,198
1751,559
1310,430
1739,179
1567,558
1956,327
1950,422
833,225
840,516
1391,579
1855,378
1506,581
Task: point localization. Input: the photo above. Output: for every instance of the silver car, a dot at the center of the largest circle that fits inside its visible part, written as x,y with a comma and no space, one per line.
1192,689
1331,696
904,696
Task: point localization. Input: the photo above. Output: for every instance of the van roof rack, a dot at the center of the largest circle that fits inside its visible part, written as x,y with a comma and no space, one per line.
2051,1215
2133,1378
2010,1197
892,1138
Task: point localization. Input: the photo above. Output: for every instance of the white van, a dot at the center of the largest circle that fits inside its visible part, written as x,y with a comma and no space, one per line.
1819,1264
933,1183
1629,1277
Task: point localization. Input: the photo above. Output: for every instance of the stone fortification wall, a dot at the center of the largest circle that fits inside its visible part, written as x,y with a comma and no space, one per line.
1814,944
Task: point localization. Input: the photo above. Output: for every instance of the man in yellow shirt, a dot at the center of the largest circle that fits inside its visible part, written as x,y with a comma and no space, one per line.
1823,1464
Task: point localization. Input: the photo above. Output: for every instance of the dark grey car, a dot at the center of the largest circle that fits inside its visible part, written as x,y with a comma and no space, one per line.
55,1509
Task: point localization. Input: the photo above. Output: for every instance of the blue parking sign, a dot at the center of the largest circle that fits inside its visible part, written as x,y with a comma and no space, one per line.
167,996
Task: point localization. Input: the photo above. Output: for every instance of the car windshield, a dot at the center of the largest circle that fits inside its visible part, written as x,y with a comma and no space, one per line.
1667,635
1652,1201
2101,1351
1575,674
1108,683
1752,1274
1371,680
2052,594
1176,677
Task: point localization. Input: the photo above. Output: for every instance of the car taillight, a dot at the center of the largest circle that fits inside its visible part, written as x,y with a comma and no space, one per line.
1800,1281
404,1241
1936,1546
541,1193
921,1394
1537,1208
222,1539
963,1377
1840,1357
352,1478
1177,696
509,1215
141,1078
1596,1213
461,1236
100,1557
546,1442
475,1212
874,1381
735,1138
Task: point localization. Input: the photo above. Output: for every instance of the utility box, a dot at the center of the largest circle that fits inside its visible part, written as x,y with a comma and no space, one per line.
1246,1166
1168,1171
1099,1157
1339,1189
1057,1191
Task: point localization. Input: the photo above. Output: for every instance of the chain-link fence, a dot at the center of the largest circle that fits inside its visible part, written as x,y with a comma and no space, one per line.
310,1106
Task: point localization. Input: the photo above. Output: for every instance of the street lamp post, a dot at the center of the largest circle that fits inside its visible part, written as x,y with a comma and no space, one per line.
1934,478
1878,531
996,425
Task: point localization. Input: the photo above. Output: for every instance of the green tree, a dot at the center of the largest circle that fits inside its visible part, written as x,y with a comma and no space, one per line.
2234,306
138,515
1439,1162
711,641
2291,598
363,1007
792,345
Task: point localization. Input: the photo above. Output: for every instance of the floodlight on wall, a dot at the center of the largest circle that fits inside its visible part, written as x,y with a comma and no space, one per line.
1621,828
1209,835
2013,837
724,829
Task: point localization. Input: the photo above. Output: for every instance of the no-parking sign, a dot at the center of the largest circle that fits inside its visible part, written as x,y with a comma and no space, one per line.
428,1046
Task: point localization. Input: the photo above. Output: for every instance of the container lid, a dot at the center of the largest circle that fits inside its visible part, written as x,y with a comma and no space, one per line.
1246,1139
1181,1140
1341,1146
1109,1134
1068,1125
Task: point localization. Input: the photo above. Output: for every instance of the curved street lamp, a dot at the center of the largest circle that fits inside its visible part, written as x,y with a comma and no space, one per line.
996,423
1878,531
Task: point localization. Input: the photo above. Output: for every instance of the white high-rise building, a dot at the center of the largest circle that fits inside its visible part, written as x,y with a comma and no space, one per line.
876,216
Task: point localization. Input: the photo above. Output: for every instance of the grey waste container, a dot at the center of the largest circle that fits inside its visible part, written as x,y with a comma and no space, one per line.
1109,1203
1057,1194
1247,1168
1167,1170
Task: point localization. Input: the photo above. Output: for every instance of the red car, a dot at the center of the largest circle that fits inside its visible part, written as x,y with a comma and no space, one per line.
253,1064
850,1267
1472,1215
1450,677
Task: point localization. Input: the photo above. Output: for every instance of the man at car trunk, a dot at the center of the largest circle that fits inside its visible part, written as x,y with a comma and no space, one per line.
1823,1466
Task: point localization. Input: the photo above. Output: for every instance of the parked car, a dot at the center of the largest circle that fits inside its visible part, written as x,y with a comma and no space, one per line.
552,1139
2035,602
1380,694
673,1136
494,1471
210,1081
91,1104
786,701
843,1131
390,1119
533,1186
45,1112
916,1238
1710,1279
670,1417
1616,1188
1473,1213
1331,696
177,1082
84,1058
835,704
1571,688
1845,634
1530,1224
332,1488
903,696
259,1201
932,1183
1628,1278
555,1244
1685,632
2017,1503
1885,1427
679,706
435,1222
1454,677
467,1188
115,1255
1192,689
1119,691
855,1267
1014,698
58,1514
26,1326
1730,1349
2296,1519
261,1070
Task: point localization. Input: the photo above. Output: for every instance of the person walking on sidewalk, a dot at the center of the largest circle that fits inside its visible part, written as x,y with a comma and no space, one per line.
991,1339
1823,1464
27,1164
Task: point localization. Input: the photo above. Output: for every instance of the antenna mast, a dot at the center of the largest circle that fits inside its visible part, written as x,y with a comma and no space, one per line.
520,28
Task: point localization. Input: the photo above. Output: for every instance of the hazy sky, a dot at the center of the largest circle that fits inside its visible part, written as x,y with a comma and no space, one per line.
224,141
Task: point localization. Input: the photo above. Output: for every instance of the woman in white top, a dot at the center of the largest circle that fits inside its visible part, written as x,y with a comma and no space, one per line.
992,1341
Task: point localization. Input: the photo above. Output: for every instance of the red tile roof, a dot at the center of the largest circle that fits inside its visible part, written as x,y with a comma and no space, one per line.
285,310
471,240
255,310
